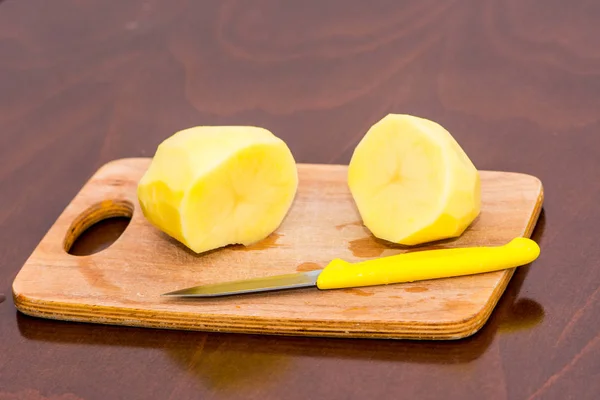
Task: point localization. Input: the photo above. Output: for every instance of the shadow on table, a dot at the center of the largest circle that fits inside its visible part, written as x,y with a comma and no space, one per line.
212,356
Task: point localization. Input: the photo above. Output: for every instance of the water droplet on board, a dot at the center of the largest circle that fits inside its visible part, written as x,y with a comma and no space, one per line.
366,247
267,243
308,266
358,292
2,297
416,289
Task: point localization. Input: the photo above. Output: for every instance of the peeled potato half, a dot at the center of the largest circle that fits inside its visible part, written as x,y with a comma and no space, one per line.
412,182
210,186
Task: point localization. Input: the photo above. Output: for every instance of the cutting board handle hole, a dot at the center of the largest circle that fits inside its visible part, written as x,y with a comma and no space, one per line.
98,227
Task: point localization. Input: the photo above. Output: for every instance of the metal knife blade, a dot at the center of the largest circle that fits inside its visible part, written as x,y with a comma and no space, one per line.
288,281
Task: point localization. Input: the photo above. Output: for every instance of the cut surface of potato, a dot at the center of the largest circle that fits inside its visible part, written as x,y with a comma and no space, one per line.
211,186
412,182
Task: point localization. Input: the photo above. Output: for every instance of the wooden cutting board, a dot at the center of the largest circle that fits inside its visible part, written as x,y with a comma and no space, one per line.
122,284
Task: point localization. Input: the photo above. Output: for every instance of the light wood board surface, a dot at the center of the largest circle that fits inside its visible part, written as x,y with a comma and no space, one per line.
122,284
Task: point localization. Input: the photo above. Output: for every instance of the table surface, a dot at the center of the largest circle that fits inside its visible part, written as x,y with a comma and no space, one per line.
517,83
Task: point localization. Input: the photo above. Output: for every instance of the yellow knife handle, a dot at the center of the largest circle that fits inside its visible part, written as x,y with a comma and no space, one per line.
427,264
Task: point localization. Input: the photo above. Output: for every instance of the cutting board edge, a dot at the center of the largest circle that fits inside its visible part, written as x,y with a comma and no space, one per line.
68,312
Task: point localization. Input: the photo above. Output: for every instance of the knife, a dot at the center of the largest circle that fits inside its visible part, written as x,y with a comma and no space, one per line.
406,267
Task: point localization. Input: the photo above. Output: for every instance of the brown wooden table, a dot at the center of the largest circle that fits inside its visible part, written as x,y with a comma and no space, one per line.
517,83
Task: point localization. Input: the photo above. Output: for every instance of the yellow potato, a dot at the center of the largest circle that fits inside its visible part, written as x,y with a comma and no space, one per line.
210,186
412,182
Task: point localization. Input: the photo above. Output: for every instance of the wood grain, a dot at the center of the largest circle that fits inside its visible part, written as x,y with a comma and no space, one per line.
516,82
122,284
